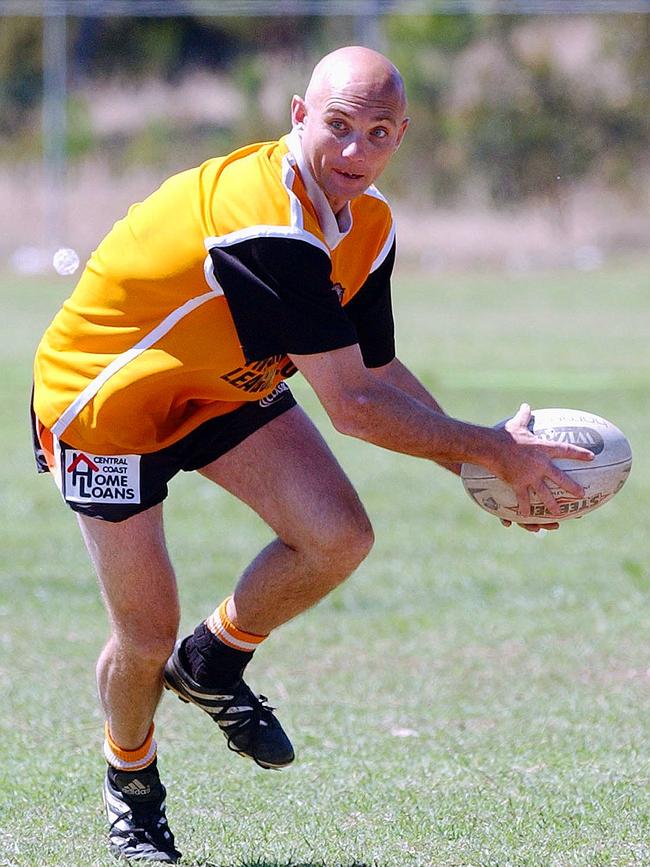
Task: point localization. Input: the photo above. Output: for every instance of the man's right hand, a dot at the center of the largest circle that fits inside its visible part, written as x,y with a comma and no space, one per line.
526,464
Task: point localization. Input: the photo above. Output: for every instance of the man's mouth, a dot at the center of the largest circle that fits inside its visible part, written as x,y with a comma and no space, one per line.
349,175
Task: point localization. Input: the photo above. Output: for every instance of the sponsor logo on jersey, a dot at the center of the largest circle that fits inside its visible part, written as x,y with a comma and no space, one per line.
259,375
279,389
254,377
89,478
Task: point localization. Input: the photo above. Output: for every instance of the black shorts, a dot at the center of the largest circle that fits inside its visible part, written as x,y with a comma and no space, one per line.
116,487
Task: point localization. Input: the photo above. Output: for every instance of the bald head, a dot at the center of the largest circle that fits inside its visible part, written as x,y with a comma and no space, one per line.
357,69
350,121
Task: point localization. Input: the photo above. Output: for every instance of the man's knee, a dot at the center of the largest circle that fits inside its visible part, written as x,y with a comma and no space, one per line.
149,640
149,651
342,540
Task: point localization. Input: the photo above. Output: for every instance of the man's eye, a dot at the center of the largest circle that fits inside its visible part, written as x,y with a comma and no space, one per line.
337,124
380,132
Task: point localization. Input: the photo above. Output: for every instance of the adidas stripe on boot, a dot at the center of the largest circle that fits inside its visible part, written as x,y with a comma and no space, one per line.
246,721
135,808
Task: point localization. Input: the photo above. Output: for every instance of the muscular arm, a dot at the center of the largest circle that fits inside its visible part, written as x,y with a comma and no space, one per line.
398,375
364,405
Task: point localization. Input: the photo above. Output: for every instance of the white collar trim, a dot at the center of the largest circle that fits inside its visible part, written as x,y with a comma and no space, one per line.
334,228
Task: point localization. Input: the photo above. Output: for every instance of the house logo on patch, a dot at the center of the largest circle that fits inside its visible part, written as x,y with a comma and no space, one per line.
91,478
82,477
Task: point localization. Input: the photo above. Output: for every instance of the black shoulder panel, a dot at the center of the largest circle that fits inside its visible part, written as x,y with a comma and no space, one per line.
281,297
371,312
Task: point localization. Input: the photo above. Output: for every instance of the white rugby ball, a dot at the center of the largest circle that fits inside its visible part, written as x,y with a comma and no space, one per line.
601,478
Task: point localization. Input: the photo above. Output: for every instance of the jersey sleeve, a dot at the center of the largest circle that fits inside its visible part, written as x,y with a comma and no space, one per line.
371,313
281,297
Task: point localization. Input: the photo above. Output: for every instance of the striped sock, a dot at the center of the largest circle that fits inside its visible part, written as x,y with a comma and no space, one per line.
130,760
220,625
218,651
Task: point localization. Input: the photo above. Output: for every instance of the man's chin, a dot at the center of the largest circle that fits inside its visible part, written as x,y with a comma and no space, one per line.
345,192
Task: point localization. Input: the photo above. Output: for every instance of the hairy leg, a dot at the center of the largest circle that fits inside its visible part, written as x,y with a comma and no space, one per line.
286,472
139,591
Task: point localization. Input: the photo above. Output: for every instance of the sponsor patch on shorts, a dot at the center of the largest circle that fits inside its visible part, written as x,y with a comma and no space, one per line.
89,478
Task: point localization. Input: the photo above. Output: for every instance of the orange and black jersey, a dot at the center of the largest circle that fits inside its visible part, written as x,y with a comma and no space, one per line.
192,303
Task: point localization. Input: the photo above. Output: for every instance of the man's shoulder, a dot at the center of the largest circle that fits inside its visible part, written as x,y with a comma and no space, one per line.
373,202
372,216
246,188
257,190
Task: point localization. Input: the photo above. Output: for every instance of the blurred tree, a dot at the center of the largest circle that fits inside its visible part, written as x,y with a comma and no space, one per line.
20,71
423,47
144,47
500,105
494,122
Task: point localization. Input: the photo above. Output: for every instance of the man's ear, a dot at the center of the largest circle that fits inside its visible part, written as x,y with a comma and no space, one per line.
402,130
298,111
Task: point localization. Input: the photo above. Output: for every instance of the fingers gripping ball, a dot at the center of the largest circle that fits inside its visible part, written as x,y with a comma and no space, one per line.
65,261
601,478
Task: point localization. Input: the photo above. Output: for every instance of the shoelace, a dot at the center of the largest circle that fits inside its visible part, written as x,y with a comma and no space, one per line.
147,828
260,712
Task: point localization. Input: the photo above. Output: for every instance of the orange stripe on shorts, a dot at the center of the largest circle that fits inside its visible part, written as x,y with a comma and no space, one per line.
46,439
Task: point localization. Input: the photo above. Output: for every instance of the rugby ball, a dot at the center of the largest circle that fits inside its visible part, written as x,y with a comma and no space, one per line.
601,478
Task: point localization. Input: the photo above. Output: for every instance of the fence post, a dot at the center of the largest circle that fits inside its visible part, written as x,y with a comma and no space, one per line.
54,133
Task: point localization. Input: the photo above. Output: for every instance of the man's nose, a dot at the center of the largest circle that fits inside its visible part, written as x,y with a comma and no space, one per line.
353,148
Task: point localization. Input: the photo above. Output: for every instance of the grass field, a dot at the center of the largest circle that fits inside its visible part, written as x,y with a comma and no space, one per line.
473,696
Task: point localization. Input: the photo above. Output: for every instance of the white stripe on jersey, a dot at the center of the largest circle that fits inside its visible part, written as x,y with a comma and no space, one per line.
68,416
385,250
288,177
251,232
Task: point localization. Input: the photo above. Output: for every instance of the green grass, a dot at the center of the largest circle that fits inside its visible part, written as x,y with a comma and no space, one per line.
472,696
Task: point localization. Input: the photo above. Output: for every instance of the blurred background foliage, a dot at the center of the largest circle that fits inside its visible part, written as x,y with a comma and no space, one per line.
501,105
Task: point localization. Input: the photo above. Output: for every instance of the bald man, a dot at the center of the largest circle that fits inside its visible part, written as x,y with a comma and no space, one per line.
173,353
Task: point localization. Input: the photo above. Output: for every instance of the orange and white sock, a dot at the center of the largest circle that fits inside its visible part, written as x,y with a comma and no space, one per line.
222,626
130,760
